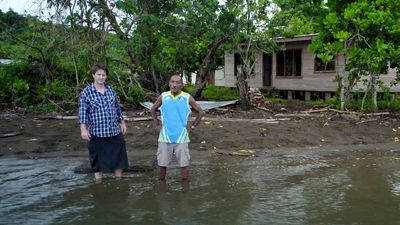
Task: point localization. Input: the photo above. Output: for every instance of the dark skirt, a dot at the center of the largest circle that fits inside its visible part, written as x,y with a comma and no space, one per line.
107,154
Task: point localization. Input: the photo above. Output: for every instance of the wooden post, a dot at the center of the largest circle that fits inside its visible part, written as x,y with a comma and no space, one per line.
289,95
307,96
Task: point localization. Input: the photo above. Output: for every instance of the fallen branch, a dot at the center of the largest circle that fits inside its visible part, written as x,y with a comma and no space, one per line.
12,134
376,114
325,109
57,118
316,111
298,115
133,119
270,121
343,112
366,121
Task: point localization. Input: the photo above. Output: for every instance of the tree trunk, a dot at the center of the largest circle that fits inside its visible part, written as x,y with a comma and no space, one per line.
107,12
366,93
342,75
373,92
342,95
155,79
370,91
243,89
202,73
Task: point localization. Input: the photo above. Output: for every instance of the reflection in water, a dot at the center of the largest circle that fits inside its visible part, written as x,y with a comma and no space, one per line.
369,200
292,189
98,203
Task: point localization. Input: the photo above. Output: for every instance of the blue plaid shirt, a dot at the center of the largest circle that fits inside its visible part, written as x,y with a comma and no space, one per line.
100,112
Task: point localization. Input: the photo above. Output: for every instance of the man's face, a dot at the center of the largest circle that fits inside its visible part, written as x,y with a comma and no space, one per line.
100,76
175,84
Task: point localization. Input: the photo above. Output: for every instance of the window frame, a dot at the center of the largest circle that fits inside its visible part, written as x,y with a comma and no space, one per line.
325,70
295,56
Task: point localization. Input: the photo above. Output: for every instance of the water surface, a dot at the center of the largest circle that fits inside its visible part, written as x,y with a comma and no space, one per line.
287,189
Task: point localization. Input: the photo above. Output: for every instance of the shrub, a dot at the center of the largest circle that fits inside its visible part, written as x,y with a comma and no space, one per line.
211,92
137,94
13,89
57,90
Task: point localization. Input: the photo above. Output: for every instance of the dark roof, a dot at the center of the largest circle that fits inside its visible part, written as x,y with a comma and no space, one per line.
303,37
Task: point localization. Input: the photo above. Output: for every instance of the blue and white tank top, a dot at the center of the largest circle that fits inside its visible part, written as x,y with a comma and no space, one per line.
175,111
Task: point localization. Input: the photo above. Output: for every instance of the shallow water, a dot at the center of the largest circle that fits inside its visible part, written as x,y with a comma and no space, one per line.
286,189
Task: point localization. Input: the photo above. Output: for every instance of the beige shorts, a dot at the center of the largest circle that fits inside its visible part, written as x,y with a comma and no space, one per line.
165,152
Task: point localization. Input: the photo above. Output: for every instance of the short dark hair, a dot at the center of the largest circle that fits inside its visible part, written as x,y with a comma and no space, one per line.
177,75
96,67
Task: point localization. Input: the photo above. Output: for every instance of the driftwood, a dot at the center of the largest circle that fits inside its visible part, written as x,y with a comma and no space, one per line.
11,134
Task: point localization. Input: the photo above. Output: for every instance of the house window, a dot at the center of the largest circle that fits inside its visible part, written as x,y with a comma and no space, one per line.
288,63
321,66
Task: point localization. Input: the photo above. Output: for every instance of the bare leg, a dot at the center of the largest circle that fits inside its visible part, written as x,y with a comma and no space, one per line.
98,175
185,173
185,185
118,173
162,172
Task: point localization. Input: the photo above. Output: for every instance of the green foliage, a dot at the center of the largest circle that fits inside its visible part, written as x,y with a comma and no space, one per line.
137,95
211,92
42,107
13,89
189,88
334,101
57,90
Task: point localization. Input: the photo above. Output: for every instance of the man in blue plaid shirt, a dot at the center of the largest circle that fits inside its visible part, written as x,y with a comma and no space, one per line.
102,125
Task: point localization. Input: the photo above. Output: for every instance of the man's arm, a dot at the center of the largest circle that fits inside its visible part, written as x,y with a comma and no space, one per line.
156,105
198,110
85,135
121,121
83,117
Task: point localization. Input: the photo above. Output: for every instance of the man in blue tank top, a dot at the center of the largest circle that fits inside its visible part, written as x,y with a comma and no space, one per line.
174,137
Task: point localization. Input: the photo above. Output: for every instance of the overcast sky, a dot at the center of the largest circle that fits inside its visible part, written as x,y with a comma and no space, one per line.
28,6
19,6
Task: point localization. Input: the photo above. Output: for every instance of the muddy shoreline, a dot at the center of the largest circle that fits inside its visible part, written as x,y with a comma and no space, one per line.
222,132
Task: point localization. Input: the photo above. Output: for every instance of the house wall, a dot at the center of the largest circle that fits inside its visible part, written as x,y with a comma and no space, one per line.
219,78
387,79
308,81
230,80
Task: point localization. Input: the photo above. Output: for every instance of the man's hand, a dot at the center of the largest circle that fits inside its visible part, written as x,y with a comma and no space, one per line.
85,135
158,126
122,125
